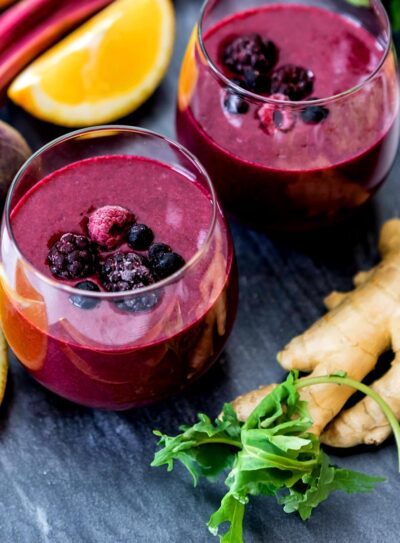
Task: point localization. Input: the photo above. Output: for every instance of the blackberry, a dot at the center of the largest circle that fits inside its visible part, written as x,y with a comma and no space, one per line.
72,257
84,302
158,249
294,81
250,52
166,264
140,237
125,271
139,304
234,104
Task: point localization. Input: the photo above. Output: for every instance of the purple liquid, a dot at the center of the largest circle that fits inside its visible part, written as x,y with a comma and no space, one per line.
107,357
314,173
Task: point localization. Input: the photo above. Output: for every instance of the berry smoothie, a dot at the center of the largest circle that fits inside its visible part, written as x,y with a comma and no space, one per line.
139,236
257,113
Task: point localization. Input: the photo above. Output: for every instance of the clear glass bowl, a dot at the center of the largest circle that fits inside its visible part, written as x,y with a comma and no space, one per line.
105,357
309,175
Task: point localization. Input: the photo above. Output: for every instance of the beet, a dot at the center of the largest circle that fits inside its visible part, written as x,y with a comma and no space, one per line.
13,152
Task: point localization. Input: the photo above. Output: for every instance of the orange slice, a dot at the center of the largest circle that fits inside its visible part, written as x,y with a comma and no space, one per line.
189,73
24,320
3,365
104,69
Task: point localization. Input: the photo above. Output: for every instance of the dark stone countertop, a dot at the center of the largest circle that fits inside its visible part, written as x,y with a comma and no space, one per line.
70,474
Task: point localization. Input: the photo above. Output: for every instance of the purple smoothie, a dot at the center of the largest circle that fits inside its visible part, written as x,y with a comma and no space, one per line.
107,357
313,173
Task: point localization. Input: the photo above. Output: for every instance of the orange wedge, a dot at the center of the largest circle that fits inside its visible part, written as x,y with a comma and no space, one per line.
104,69
24,320
189,73
3,365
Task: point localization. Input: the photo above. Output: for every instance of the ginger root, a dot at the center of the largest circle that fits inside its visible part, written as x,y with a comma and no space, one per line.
358,327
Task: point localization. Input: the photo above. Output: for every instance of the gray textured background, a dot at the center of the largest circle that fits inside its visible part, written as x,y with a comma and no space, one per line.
70,474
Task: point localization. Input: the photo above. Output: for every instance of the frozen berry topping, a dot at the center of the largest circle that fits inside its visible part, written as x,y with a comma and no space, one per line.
125,271
81,301
284,119
255,81
72,257
140,237
294,81
108,225
139,304
234,104
274,117
166,264
314,114
158,249
250,52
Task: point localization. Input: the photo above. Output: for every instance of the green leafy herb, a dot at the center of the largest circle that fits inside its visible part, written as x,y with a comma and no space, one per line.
271,454
360,3
395,14
392,6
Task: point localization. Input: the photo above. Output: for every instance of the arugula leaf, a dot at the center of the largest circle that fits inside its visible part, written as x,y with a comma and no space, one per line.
205,449
271,454
360,3
232,511
321,483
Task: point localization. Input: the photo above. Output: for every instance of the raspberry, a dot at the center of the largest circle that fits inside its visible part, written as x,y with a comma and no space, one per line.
250,52
72,257
295,82
125,271
108,225
273,117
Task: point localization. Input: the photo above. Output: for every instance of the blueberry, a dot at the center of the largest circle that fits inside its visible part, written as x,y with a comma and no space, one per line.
166,264
234,104
256,81
239,83
84,302
314,114
158,249
139,304
140,237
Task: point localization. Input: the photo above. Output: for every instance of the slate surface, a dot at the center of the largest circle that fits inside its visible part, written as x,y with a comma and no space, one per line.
70,474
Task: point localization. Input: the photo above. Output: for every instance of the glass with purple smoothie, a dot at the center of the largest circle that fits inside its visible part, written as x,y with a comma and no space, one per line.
292,107
118,276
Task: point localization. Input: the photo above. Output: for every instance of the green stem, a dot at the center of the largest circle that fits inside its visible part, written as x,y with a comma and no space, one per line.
368,391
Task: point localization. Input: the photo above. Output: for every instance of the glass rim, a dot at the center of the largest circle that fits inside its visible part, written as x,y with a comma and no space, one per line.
377,5
102,295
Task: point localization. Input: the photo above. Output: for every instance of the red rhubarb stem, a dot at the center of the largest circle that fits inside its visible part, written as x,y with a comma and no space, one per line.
62,19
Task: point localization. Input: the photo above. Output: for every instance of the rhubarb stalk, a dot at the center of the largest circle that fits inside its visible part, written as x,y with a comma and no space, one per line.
31,26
